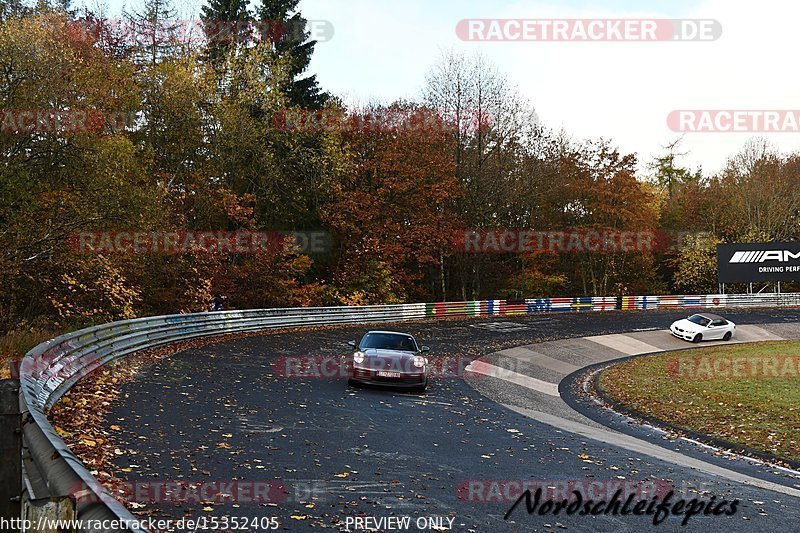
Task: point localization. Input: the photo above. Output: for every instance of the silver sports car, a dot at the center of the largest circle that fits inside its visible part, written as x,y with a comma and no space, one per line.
389,358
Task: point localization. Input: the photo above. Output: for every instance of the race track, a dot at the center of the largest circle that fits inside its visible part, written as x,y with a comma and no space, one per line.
223,413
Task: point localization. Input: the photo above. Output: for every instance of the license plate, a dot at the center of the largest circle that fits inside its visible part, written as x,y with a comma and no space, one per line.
385,374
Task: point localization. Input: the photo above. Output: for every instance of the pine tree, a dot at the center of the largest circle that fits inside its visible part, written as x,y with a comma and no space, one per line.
667,173
286,28
155,31
226,24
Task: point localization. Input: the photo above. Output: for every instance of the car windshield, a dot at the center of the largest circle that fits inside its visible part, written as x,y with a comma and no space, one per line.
699,319
388,341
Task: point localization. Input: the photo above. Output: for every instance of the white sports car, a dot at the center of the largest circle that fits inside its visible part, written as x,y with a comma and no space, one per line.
703,326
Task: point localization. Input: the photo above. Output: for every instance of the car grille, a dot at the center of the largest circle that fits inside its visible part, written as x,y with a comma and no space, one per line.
372,375
681,334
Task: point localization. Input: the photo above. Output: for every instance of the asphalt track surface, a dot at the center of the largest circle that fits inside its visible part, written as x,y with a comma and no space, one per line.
222,413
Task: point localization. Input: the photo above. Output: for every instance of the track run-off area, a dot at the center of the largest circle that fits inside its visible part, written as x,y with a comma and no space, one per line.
452,457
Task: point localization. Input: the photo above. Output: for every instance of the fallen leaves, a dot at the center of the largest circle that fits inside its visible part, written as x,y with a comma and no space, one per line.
79,417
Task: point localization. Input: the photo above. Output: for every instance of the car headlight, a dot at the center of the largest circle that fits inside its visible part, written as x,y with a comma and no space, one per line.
419,361
358,357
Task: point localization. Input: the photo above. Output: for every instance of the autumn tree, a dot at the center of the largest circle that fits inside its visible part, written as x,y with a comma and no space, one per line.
601,192
389,196
170,141
56,180
490,122
761,186
695,265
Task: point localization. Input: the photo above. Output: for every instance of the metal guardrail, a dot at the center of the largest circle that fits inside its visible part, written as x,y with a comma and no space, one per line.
50,369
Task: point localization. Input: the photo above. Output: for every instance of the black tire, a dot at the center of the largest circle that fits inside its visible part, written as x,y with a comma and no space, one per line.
727,336
423,387
697,338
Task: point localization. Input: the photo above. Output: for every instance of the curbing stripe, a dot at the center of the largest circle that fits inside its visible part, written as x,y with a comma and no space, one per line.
645,448
486,369
624,344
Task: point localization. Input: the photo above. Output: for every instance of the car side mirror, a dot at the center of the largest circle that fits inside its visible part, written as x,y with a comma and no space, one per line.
352,343
424,349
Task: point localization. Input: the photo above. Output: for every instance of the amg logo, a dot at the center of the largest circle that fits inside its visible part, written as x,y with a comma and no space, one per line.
761,256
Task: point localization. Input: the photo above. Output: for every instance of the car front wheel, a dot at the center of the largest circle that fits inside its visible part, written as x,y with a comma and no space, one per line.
697,338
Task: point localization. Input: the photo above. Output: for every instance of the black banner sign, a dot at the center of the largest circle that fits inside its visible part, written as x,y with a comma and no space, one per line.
770,261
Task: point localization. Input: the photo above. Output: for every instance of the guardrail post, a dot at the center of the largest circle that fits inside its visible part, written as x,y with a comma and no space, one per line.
43,513
10,450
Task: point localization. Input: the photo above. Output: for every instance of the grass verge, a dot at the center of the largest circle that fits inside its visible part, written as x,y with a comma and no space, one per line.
746,394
